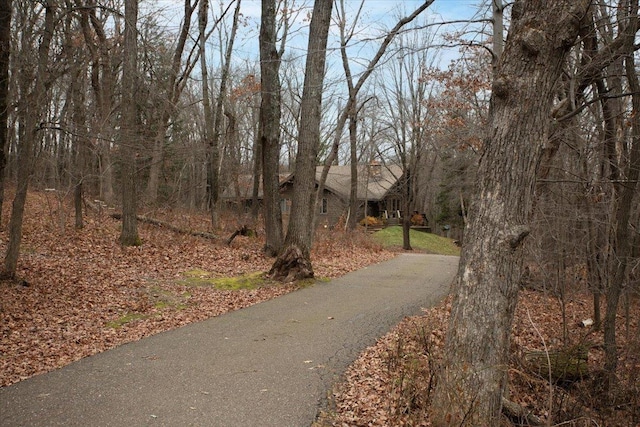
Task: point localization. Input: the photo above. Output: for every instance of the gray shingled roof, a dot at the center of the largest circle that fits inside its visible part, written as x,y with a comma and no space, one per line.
374,181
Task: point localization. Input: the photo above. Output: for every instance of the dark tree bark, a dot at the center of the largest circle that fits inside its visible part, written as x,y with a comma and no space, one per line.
269,128
129,129
5,49
203,19
294,261
474,375
80,143
624,190
32,111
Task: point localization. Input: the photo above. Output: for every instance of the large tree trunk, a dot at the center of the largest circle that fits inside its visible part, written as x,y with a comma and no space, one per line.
5,49
129,132
474,375
269,129
294,262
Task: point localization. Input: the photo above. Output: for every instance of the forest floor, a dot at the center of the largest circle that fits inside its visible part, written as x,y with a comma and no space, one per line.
83,293
391,382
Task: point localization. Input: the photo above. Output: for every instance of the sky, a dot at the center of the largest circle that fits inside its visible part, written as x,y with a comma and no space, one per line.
377,16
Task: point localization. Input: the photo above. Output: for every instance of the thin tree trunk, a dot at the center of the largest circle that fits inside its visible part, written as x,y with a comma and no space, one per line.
169,106
216,137
5,49
294,262
407,207
26,146
624,192
79,144
203,19
474,371
353,193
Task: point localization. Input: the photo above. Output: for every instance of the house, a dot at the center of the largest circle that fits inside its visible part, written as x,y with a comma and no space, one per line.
238,194
378,192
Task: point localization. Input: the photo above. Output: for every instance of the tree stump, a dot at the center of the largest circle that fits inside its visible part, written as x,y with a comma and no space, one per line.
566,365
291,265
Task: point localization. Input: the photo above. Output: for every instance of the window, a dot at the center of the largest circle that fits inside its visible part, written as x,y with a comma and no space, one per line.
324,208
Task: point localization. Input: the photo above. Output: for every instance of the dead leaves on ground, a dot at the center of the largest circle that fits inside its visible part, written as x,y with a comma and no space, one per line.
86,293
390,382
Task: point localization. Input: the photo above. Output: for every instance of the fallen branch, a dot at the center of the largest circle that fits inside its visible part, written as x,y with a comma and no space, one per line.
242,231
169,226
520,415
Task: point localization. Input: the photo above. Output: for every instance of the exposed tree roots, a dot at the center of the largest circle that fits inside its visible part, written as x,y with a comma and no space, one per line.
291,265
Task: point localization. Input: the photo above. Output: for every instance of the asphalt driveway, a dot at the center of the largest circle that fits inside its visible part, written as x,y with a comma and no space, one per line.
271,364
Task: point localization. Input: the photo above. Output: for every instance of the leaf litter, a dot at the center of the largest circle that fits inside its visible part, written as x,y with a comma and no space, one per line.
83,293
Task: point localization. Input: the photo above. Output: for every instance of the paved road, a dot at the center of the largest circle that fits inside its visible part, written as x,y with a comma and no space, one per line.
271,364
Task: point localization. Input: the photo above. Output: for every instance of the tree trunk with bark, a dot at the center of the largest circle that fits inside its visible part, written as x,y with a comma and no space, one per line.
624,190
32,111
5,49
294,262
203,19
474,371
269,129
129,130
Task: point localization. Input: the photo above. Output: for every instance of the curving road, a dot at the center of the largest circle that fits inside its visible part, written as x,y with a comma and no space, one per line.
271,364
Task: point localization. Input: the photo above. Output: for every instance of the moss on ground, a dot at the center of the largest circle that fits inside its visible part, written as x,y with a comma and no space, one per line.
198,277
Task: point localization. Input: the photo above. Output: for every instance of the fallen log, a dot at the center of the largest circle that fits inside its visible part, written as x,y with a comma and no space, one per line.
565,366
242,231
169,226
519,415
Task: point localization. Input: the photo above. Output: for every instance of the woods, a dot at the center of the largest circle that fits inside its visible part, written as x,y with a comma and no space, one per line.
524,147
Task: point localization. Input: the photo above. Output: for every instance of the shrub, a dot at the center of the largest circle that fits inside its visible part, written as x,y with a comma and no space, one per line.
370,221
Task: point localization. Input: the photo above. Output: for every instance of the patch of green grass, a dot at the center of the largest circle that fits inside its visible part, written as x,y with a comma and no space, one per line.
199,277
391,237
126,318
161,305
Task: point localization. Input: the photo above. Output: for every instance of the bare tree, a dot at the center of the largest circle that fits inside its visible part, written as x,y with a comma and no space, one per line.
294,261
625,173
174,86
5,50
31,111
473,377
269,130
129,127
103,84
219,114
349,112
